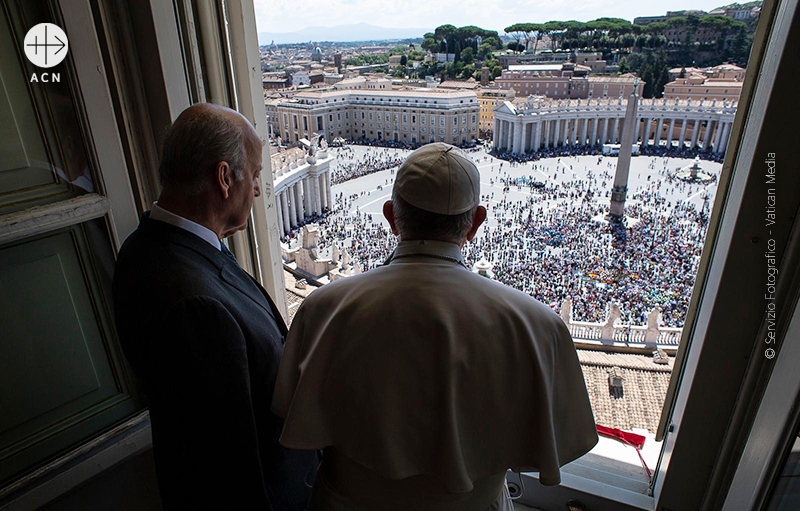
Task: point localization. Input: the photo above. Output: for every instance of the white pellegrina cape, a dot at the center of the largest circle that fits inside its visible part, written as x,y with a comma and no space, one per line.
423,367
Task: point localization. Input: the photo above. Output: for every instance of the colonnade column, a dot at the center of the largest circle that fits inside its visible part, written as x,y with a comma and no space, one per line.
556,135
546,134
682,138
318,194
669,132
498,124
636,133
314,189
292,203
594,130
574,139
536,132
328,191
292,206
322,195
516,147
726,131
306,196
527,128
717,137
281,229
299,193
604,138
657,136
695,132
707,136
615,130
583,132
285,212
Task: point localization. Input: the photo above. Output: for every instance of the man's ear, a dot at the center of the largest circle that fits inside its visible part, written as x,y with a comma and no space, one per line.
223,178
388,212
477,220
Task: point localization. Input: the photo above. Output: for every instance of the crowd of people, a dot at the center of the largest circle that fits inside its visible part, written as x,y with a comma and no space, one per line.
644,150
555,244
374,161
349,166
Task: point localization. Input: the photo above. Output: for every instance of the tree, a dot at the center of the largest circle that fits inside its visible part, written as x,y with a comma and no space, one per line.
496,71
515,46
430,44
682,73
663,79
740,49
648,79
468,71
525,32
403,61
484,50
623,66
467,55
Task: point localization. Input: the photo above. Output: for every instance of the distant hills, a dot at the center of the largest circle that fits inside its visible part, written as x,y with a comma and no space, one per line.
341,33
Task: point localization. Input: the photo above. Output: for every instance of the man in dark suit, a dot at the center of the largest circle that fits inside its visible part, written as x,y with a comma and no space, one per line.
204,337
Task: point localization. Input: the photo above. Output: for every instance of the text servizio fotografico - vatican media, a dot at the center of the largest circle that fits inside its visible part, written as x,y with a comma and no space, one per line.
770,216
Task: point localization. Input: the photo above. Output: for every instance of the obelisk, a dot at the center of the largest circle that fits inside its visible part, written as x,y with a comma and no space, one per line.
620,189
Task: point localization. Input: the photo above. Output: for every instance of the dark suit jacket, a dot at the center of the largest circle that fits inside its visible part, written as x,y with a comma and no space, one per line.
206,341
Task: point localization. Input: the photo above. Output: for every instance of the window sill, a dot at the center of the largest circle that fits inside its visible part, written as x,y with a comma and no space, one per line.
610,477
593,494
80,465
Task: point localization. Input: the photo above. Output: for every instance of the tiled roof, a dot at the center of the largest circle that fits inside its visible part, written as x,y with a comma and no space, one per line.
459,84
644,389
612,79
293,301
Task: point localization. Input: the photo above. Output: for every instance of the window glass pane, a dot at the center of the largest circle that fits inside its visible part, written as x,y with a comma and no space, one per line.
42,150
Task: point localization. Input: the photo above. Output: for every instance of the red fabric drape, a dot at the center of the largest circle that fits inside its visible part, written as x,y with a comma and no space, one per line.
632,439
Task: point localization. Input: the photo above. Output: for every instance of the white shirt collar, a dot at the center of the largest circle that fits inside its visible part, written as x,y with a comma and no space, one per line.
162,215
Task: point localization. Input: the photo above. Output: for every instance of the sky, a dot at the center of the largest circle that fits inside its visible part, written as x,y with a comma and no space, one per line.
289,16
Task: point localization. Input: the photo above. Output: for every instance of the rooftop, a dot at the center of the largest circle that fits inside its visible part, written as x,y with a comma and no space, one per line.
459,84
535,67
613,79
426,93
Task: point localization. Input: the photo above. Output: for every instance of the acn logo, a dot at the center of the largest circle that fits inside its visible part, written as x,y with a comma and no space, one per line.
46,45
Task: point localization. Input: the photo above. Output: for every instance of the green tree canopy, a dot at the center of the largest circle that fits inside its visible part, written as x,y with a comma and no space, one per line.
467,55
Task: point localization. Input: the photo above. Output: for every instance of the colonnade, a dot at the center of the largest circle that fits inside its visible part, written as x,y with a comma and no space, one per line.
534,124
302,198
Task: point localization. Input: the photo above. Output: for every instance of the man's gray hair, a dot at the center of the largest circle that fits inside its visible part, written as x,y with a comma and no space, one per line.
194,146
412,221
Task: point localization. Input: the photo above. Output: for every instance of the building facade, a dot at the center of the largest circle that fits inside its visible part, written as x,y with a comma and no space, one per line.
568,81
698,88
527,125
411,116
529,58
489,98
